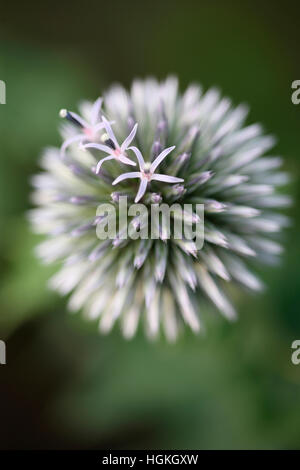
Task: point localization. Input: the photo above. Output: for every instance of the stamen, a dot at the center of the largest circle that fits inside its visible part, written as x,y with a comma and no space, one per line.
65,114
146,171
108,141
147,167
110,144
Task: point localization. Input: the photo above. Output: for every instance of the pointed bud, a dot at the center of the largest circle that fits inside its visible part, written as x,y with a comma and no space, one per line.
179,163
156,149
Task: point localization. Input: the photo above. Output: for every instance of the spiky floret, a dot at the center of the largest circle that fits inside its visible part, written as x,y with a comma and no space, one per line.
216,161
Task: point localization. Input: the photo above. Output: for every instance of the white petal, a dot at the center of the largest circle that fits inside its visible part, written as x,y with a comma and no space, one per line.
98,126
160,158
126,160
129,139
103,148
99,164
142,190
166,178
68,142
95,111
110,131
139,156
125,176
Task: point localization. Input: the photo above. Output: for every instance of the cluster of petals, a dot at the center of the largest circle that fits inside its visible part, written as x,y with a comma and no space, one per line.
89,132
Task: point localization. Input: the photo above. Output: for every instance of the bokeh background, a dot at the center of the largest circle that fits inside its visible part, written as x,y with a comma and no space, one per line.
64,386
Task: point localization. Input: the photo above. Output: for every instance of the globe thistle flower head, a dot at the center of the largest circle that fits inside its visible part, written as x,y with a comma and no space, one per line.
190,148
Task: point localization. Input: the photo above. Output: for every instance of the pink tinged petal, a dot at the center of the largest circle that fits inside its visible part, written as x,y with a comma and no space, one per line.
160,158
78,118
126,160
110,131
142,190
96,111
99,164
103,148
139,156
129,139
98,127
166,178
125,176
71,140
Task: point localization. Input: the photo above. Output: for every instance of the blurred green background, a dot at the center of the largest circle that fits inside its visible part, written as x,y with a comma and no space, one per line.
64,386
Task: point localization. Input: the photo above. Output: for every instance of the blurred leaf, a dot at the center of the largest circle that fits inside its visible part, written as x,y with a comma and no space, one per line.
23,290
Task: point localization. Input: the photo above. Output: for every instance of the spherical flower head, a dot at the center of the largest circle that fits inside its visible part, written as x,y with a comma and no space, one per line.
190,148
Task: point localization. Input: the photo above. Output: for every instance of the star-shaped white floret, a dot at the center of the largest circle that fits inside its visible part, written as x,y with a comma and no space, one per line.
146,173
112,147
